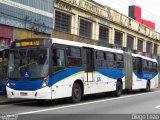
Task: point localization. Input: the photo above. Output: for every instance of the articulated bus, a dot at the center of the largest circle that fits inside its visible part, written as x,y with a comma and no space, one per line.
44,68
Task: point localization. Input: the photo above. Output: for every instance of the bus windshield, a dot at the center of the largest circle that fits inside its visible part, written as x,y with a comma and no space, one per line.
28,63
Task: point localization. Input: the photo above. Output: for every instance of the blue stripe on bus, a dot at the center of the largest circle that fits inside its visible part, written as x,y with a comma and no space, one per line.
25,85
145,75
112,73
64,74
36,84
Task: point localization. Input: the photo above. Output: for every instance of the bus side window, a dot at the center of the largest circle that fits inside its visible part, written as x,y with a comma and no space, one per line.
99,59
154,67
74,58
58,58
139,65
119,61
145,65
134,63
110,60
150,67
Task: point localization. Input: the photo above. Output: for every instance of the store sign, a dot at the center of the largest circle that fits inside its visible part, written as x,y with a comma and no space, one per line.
11,22
15,23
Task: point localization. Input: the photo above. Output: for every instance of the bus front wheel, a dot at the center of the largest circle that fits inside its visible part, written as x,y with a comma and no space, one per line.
76,93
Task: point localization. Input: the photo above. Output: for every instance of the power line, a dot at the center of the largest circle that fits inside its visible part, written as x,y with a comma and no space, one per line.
144,10
125,4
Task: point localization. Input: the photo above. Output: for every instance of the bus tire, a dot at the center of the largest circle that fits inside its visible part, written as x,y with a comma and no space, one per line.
76,93
118,91
147,86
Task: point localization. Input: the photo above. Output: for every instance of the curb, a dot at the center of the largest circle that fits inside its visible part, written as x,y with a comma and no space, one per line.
4,100
12,102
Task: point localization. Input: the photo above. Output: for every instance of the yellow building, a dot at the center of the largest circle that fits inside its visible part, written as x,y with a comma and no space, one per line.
90,22
23,33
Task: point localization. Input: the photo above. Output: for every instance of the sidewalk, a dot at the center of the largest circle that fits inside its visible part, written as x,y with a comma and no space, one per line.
5,100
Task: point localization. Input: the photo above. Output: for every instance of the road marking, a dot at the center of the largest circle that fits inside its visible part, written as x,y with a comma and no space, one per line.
81,104
157,106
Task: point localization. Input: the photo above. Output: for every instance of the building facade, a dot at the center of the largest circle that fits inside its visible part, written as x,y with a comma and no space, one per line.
90,22
76,20
25,18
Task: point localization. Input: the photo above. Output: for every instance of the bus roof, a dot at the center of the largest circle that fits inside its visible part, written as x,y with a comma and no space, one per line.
78,44
144,57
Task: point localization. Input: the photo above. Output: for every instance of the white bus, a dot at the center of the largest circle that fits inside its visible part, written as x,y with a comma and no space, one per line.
53,68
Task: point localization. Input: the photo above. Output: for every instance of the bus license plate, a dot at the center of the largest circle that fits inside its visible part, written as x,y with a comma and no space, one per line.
23,94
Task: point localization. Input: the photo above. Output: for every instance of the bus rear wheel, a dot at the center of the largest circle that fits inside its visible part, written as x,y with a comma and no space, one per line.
148,86
118,90
76,93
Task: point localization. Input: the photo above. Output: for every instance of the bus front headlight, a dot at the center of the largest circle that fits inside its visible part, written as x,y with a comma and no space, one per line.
45,82
8,84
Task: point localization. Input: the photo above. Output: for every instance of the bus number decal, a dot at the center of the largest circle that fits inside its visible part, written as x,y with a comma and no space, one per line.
98,79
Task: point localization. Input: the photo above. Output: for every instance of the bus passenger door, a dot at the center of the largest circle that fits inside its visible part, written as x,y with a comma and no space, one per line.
88,61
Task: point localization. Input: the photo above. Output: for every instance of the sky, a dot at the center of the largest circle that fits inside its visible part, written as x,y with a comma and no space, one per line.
150,9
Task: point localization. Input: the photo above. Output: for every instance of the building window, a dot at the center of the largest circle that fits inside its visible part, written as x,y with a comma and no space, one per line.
140,45
130,42
103,33
118,38
62,22
85,29
155,49
149,47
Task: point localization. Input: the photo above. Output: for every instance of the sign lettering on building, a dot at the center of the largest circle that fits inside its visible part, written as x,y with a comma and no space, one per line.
19,24
63,5
104,12
88,6
11,22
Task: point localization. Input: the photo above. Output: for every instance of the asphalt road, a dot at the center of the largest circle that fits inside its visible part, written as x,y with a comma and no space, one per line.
92,107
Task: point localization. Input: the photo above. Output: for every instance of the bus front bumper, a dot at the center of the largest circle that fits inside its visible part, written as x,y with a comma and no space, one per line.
43,93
